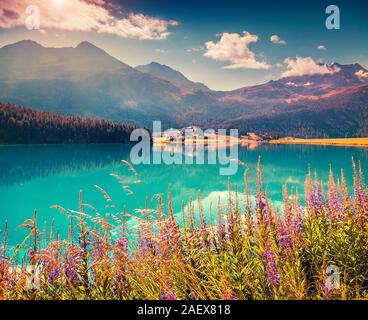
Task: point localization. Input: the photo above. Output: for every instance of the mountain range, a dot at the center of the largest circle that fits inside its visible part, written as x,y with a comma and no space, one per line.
87,81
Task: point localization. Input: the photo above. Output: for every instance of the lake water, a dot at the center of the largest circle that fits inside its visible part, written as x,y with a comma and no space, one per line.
37,177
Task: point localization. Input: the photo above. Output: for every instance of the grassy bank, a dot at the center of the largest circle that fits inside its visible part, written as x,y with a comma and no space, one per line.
252,253
354,142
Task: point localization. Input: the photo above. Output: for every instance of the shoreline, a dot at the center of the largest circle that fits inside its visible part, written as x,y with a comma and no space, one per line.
61,144
339,142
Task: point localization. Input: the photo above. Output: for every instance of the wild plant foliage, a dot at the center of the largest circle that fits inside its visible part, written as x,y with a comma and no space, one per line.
252,252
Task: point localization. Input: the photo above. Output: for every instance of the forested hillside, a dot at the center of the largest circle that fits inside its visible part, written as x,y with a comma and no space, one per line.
23,125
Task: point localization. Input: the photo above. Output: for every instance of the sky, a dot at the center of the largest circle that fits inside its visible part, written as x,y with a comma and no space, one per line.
223,44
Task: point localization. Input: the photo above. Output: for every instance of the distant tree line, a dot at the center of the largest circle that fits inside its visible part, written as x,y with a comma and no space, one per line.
351,122
19,125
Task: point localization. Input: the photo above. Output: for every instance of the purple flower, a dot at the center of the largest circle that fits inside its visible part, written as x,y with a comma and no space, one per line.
271,267
54,275
123,243
285,239
169,296
83,240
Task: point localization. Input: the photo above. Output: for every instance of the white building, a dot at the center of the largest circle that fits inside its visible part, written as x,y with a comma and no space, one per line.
172,134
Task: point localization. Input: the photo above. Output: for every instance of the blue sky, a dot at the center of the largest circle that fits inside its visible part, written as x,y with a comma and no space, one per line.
181,31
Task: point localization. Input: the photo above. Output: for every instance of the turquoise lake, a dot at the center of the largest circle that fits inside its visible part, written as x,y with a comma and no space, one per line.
37,177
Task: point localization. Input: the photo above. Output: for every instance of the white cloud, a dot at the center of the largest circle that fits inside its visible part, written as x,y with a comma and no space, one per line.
85,16
233,48
306,66
361,73
195,49
322,47
276,39
161,51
